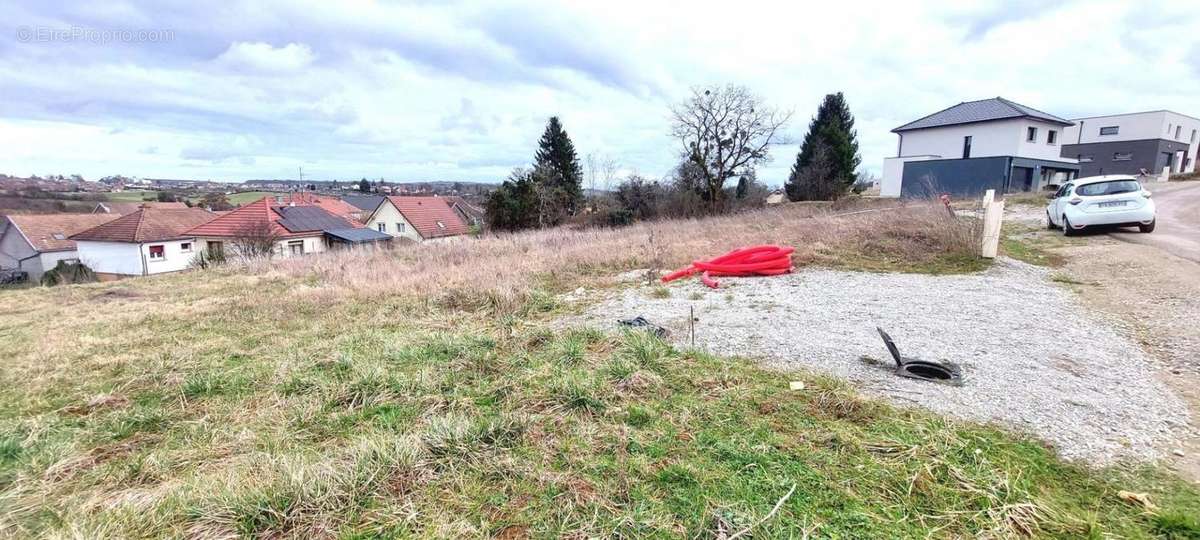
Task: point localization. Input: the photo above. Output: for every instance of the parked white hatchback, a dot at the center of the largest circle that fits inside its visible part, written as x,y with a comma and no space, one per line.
1113,200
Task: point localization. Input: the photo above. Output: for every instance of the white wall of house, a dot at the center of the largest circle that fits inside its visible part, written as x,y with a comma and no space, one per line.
49,259
178,255
893,174
998,138
1040,147
120,258
131,259
283,247
15,252
310,244
393,222
1130,127
988,139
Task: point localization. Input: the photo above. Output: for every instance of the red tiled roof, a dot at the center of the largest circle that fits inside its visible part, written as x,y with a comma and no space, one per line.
332,205
148,225
252,218
465,207
432,217
131,207
52,232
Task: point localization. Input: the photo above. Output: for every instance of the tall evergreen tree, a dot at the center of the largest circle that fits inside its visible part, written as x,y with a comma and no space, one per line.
832,132
557,166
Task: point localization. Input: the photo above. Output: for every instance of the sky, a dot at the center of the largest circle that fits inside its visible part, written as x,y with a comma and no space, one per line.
447,90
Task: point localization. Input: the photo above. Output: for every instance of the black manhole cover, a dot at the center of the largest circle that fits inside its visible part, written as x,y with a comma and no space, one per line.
938,372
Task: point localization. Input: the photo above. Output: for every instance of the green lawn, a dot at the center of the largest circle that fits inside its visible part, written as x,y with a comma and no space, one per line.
236,199
132,196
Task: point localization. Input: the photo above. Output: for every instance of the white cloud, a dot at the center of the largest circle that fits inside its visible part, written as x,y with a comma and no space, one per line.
262,57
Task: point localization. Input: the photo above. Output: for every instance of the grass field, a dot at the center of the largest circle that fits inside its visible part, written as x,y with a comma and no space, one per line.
237,199
429,393
132,195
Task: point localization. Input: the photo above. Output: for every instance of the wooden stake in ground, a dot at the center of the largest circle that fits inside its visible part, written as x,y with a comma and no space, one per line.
993,217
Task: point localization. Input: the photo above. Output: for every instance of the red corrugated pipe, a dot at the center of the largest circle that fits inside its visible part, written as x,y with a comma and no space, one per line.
763,260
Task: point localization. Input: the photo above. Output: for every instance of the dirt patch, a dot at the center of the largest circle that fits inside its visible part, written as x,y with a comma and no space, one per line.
1032,357
1156,297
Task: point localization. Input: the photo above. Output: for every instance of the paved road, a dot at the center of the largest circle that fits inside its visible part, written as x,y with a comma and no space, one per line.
1178,229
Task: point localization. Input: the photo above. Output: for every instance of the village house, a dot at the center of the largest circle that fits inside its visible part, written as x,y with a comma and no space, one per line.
975,146
35,243
333,205
418,219
267,226
122,208
470,214
148,241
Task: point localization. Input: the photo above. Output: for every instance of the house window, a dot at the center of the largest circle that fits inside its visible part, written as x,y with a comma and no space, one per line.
1110,130
1193,135
216,248
1085,159
59,236
1178,132
1122,156
399,227
966,147
1051,137
157,253
185,247
1031,134
382,227
296,247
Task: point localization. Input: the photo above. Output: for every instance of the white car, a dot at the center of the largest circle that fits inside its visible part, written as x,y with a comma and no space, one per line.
1113,200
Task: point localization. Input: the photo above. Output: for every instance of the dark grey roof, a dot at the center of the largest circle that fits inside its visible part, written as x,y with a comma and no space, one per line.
996,108
358,236
310,218
363,202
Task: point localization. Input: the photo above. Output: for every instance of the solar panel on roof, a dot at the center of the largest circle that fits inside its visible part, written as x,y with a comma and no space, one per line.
310,218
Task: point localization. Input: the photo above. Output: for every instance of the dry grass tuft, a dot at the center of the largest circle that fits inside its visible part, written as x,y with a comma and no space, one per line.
498,272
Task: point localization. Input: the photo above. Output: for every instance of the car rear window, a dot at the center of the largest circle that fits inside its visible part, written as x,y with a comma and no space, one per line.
1108,188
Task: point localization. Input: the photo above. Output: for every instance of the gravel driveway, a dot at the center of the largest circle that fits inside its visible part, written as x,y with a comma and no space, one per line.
1032,357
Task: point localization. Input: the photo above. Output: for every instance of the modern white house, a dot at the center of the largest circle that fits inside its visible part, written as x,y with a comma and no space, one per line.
1134,143
148,241
418,219
34,243
975,146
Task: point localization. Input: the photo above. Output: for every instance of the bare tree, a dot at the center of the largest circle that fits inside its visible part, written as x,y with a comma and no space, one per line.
255,240
725,130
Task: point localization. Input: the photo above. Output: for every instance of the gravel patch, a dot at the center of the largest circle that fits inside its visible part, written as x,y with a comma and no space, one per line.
1032,357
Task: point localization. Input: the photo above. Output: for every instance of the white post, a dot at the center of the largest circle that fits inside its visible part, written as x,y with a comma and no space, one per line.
988,197
993,217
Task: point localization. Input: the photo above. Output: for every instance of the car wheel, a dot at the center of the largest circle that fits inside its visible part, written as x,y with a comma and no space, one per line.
1068,230
1049,222
1148,227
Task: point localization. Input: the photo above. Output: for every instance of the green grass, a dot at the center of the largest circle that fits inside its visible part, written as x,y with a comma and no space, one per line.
247,197
132,195
236,199
313,415
1034,245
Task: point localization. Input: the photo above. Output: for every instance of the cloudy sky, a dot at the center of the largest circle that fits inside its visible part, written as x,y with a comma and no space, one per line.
445,90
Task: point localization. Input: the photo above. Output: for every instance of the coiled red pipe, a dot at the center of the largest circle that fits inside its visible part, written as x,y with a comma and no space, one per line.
765,260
